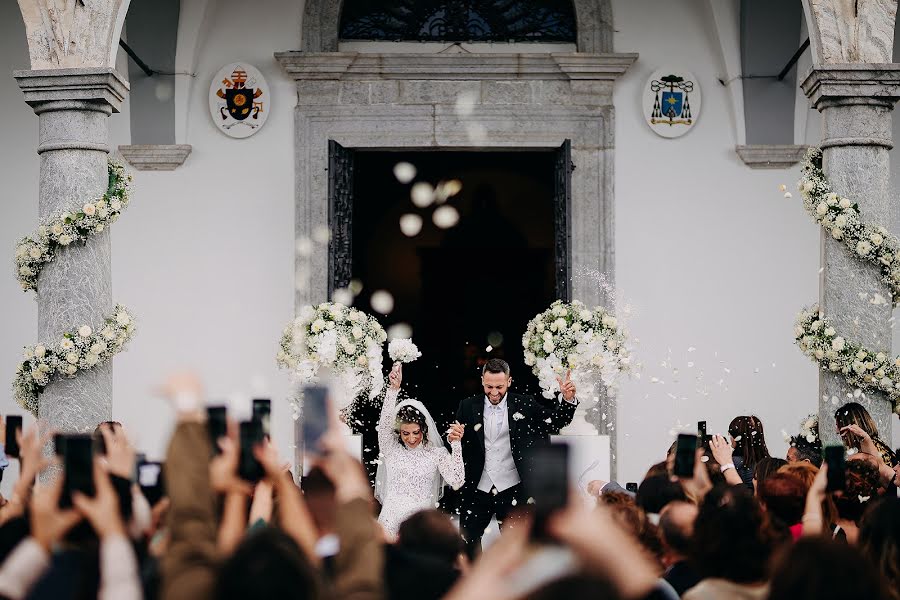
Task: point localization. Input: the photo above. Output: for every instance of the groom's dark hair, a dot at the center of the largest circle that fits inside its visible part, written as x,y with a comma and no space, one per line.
496,365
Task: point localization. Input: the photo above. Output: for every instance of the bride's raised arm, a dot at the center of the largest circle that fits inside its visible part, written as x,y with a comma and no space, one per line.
450,464
386,437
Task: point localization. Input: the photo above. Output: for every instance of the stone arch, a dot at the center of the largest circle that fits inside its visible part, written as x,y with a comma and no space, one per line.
321,21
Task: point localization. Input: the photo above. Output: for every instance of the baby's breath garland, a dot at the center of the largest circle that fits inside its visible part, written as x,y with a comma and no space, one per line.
840,217
35,251
79,350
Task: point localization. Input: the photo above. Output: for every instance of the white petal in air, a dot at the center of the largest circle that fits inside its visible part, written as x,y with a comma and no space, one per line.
382,302
404,172
410,224
399,331
422,194
343,296
445,217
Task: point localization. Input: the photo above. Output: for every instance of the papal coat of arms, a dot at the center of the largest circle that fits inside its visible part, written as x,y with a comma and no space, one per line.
671,102
238,100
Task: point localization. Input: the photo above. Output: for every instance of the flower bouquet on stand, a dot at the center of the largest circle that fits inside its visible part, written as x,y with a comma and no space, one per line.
572,337
334,345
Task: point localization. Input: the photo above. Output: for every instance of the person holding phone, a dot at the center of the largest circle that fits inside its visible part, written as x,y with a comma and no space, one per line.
414,464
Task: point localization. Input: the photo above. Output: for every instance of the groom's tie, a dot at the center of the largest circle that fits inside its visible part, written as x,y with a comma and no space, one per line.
496,421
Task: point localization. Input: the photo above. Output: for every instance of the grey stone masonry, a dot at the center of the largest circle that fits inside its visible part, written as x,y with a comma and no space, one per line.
73,107
856,101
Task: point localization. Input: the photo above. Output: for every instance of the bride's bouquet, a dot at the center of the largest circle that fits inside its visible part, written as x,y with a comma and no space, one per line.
342,343
570,336
403,350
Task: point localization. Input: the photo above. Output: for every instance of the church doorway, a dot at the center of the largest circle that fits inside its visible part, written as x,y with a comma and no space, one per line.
467,291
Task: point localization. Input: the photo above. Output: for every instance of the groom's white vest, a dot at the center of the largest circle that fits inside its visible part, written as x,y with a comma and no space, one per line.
499,467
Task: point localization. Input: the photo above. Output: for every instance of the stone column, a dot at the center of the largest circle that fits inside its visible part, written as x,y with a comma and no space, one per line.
73,106
856,101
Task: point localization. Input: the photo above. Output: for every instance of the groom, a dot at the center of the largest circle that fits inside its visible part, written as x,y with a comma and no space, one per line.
505,426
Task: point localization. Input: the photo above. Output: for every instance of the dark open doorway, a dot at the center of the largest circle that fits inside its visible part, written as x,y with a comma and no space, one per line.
464,288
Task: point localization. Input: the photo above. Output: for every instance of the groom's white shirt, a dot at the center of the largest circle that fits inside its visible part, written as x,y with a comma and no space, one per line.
499,467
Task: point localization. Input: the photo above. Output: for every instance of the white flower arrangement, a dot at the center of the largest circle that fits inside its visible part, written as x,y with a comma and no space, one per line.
861,368
344,341
76,351
403,350
571,336
34,252
809,429
840,217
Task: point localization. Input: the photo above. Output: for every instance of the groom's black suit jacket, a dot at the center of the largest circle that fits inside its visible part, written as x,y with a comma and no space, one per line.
533,425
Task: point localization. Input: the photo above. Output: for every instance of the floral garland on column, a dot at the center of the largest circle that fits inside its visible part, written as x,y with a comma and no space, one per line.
862,368
83,348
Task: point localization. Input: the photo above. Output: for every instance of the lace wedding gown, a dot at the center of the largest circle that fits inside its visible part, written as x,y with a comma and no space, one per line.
411,474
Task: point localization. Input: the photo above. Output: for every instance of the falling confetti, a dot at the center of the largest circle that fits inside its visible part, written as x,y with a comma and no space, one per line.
410,224
422,194
399,331
404,172
343,296
447,189
465,103
304,247
445,217
489,349
382,302
321,234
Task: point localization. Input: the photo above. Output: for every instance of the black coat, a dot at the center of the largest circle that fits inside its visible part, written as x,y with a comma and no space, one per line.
534,424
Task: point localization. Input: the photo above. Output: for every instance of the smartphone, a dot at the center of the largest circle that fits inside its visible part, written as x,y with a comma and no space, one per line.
216,425
150,480
701,431
631,487
262,412
59,444
249,468
547,482
685,455
13,425
315,417
78,465
834,458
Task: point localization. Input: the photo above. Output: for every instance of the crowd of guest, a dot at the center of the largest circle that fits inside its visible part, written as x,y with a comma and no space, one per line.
743,524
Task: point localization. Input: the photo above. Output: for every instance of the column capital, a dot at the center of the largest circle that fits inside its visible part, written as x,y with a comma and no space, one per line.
94,88
853,83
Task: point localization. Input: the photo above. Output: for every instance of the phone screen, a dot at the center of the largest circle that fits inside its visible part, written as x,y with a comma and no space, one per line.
13,424
685,455
59,444
701,431
631,487
315,417
834,458
78,461
547,482
150,481
216,425
262,412
249,468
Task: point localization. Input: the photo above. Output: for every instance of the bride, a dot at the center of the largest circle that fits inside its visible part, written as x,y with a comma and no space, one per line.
414,463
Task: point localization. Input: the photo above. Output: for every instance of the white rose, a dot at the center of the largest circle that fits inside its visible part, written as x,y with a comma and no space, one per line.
102,213
362,360
612,343
115,205
841,221
609,321
108,333
837,343
832,199
35,252
880,357
837,233
44,368
70,369
808,186
56,229
549,346
27,353
123,318
820,354
99,348
25,271
66,344
861,355
72,358
560,324
829,331
529,359
547,336
92,359
876,239
863,247
822,209
40,351
886,383
815,325
586,315
85,331
879,373
844,203
833,367
798,331
89,209
65,239
99,228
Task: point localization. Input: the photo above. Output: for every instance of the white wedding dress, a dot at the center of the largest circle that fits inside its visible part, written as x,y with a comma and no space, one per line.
412,480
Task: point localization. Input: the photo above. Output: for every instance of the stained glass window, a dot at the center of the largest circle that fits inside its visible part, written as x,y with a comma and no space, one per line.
459,20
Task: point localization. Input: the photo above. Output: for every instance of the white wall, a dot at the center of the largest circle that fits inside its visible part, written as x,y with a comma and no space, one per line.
708,252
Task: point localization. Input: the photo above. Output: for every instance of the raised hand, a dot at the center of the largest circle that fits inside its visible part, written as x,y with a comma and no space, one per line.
566,386
865,440
223,469
456,431
48,522
721,449
120,454
396,376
